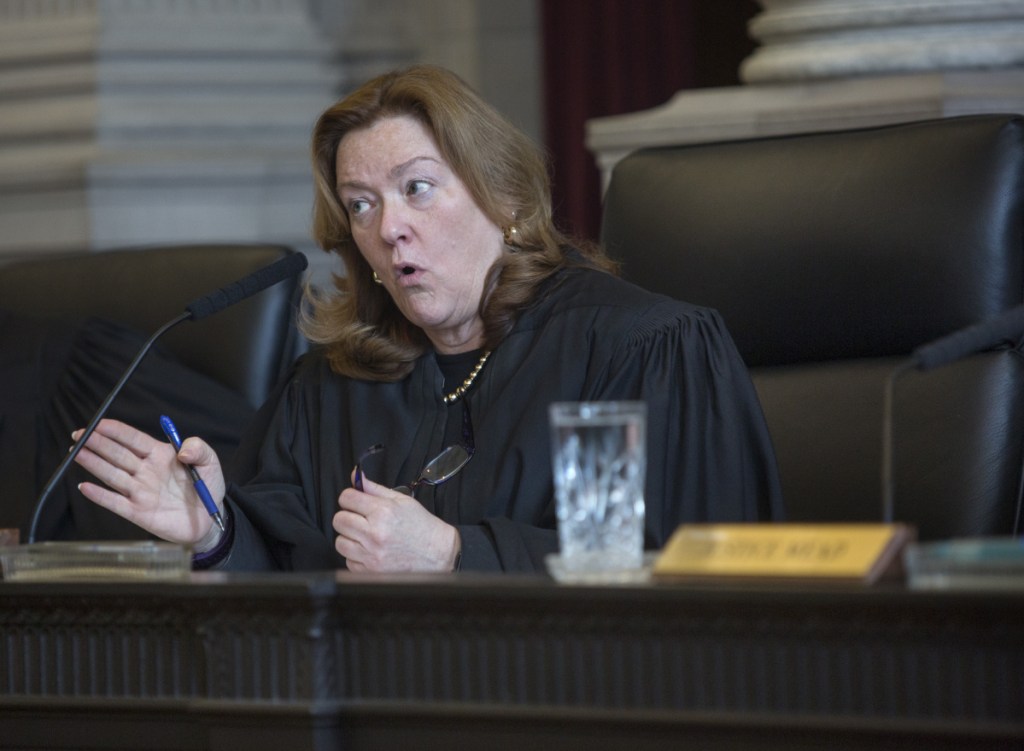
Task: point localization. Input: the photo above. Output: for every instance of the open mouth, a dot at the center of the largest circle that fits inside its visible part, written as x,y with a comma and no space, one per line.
408,276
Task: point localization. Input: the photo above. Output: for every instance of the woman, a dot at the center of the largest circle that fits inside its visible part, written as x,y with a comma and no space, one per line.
463,314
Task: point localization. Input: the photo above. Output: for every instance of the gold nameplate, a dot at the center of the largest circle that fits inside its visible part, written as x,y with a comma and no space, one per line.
861,552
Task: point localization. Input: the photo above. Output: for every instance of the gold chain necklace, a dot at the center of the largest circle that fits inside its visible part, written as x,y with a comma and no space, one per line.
462,389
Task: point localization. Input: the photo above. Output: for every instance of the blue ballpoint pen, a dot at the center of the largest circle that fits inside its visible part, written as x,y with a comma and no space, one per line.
204,494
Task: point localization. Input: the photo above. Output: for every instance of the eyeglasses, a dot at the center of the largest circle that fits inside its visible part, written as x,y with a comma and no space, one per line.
441,468
438,470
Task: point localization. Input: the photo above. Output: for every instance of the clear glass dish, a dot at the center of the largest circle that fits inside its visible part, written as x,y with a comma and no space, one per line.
66,561
979,563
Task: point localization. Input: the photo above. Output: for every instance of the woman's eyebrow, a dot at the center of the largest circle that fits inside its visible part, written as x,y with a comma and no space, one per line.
394,173
398,169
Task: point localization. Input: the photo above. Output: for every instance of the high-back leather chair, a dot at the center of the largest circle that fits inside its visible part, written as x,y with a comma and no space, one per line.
246,347
831,256
70,325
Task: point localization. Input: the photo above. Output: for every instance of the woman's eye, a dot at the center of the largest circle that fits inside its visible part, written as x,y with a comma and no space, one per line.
417,187
357,207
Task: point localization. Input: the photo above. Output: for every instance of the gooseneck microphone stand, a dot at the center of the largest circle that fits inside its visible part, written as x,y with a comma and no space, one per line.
62,468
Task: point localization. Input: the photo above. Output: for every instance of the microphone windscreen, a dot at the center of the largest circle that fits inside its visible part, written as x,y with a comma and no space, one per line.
248,286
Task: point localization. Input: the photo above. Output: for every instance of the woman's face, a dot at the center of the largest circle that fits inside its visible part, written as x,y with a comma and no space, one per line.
418,227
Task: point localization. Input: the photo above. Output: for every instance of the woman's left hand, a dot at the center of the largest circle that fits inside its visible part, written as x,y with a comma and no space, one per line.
380,529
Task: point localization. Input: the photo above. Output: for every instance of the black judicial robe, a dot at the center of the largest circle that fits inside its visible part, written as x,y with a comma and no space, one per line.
590,337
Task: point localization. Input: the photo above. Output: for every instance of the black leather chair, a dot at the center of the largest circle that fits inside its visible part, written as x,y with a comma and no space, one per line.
70,325
246,347
831,256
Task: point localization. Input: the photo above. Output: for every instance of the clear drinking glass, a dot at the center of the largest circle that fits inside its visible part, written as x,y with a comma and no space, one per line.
599,459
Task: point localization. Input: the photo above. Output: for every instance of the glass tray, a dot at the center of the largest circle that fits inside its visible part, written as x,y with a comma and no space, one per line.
84,561
981,563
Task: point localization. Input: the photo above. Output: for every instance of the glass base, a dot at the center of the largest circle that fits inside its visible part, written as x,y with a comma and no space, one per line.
565,574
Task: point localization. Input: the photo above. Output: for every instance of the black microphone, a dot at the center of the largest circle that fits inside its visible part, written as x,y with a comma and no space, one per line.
202,307
1004,327
1007,326
257,281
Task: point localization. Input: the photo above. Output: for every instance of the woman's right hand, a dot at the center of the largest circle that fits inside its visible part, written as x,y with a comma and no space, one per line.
146,482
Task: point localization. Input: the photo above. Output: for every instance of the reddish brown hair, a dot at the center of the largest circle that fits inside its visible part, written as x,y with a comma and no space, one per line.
365,334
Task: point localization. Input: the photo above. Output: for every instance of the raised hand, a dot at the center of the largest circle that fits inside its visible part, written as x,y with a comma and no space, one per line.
146,482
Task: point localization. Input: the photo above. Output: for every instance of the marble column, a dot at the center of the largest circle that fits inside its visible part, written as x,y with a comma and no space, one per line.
832,64
132,122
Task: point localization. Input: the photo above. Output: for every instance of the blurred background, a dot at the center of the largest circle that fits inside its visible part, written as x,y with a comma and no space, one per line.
141,122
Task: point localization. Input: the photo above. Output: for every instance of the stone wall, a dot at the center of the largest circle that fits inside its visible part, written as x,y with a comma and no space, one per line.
139,122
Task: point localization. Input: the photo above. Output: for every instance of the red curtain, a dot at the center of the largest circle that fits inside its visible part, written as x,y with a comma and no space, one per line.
607,57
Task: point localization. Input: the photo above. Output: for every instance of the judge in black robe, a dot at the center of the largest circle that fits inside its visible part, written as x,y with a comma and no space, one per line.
455,274
589,337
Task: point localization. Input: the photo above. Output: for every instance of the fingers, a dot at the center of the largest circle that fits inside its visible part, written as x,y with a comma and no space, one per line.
368,500
115,453
109,500
197,452
351,525
362,525
356,502
354,539
122,434
357,555
109,463
119,443
381,530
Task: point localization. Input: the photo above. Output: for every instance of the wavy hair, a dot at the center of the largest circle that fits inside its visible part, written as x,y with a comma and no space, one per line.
362,329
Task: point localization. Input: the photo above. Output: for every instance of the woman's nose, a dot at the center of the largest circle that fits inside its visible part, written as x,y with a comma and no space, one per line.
394,226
